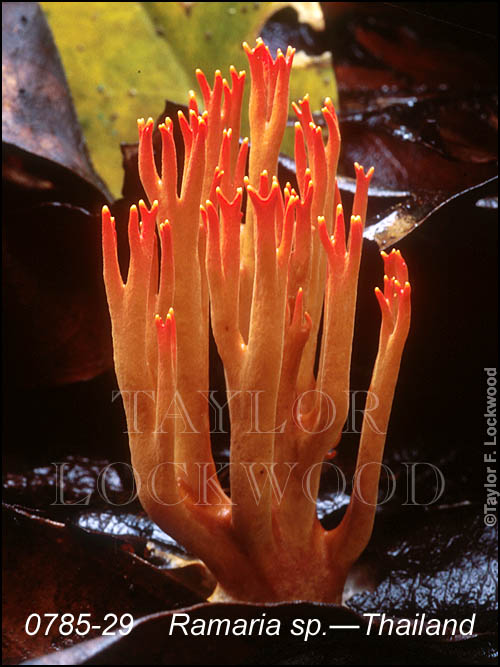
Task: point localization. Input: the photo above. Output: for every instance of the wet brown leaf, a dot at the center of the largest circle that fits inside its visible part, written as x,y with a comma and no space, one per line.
69,571
57,326
418,101
57,322
37,112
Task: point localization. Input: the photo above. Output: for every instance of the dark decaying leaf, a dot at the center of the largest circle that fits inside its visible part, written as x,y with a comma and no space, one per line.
38,117
136,528
441,562
57,324
72,570
100,498
404,160
74,480
391,225
147,540
419,101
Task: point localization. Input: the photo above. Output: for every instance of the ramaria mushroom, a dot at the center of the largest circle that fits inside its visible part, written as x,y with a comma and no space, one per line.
263,286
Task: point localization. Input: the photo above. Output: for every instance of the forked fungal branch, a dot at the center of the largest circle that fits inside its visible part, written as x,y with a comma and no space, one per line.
263,286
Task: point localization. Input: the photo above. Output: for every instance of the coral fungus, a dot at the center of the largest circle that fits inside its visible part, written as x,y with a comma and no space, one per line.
263,278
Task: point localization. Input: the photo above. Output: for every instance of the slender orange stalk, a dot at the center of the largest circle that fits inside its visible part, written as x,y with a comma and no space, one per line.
263,286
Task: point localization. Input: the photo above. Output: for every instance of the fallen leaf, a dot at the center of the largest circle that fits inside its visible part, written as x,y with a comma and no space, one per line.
441,561
38,116
418,101
57,325
68,571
